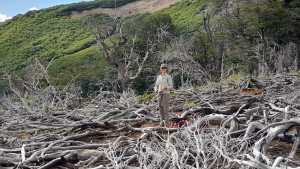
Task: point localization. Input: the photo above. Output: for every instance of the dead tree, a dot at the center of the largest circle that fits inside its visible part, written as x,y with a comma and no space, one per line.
120,49
114,130
181,60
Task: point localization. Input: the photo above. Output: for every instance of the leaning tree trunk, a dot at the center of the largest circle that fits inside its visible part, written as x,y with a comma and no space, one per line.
298,57
123,76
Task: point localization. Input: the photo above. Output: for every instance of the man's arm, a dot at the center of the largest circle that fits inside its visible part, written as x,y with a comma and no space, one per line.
170,82
156,84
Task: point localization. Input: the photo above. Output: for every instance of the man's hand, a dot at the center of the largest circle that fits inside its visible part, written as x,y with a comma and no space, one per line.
171,89
155,89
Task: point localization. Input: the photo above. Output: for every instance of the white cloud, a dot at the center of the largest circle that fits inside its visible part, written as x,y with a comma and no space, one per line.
33,9
4,17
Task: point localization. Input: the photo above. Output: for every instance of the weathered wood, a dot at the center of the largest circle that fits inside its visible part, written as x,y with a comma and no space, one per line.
113,130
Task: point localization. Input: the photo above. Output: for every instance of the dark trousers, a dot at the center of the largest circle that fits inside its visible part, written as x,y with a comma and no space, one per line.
163,106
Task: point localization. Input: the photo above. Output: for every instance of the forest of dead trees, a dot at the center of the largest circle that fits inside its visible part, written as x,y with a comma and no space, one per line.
43,126
56,128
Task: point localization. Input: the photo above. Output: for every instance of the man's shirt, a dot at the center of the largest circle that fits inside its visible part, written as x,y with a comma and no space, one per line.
163,81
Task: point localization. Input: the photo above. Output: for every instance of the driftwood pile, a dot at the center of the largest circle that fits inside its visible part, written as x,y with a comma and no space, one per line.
50,129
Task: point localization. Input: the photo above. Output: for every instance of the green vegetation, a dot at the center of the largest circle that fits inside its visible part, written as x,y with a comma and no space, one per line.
189,104
298,74
245,37
79,45
186,15
51,34
3,86
271,19
85,64
41,35
146,97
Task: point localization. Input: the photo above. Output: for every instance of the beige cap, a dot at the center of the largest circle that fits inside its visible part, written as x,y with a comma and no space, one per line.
163,65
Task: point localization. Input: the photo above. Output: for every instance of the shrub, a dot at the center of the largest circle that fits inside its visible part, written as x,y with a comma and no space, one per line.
146,97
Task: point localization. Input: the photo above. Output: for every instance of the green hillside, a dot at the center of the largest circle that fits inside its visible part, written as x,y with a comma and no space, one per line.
186,15
53,34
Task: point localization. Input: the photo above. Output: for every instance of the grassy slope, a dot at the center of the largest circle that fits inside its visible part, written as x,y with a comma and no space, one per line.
51,34
41,35
186,15
87,63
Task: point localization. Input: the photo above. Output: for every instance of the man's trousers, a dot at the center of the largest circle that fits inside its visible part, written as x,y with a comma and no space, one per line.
163,106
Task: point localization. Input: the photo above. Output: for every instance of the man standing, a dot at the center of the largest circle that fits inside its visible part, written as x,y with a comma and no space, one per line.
163,85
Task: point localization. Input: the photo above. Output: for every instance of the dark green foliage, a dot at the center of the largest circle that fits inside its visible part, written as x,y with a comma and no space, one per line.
178,78
141,84
88,87
146,28
202,48
272,19
293,9
3,87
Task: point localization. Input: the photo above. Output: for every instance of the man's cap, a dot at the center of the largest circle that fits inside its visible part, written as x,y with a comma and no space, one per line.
163,65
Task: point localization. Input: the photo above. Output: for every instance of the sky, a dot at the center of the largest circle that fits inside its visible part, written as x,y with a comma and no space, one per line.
10,8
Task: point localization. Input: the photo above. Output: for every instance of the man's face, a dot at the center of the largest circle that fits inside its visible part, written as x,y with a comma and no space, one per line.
163,70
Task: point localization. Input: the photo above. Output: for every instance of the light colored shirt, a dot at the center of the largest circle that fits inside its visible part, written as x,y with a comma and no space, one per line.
163,82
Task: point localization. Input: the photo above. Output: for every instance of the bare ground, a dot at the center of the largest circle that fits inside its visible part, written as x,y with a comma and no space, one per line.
133,8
